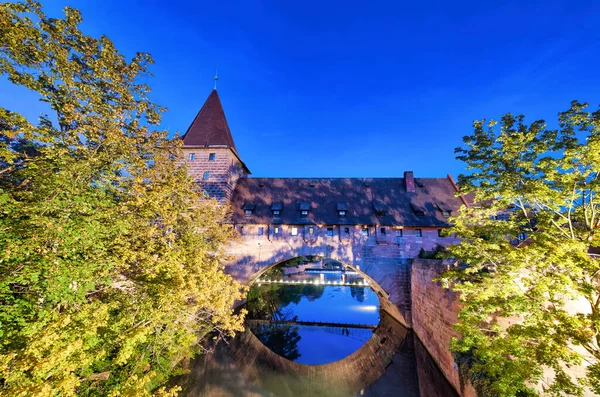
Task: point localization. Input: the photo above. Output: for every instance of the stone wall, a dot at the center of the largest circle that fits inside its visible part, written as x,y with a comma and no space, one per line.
434,311
223,170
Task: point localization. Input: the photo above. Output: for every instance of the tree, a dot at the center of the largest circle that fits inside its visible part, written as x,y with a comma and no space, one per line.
526,255
109,256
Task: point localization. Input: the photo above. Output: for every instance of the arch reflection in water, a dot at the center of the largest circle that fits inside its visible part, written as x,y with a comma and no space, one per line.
312,314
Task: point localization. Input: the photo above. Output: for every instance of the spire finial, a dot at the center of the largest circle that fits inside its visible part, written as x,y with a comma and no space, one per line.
216,76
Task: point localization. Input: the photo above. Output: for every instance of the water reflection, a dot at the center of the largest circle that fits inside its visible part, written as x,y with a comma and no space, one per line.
391,363
312,315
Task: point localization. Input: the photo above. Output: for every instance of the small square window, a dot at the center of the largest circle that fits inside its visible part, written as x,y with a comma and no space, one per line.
383,232
248,212
192,156
206,175
304,212
276,212
294,231
440,233
261,230
419,232
346,230
365,231
212,157
342,213
276,230
311,230
330,231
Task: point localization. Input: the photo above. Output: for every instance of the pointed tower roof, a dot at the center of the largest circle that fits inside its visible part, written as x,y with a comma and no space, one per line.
209,128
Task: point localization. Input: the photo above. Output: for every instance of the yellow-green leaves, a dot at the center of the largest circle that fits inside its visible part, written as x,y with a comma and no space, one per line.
531,288
109,257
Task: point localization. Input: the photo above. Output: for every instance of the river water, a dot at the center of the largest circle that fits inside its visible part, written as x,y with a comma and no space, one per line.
317,332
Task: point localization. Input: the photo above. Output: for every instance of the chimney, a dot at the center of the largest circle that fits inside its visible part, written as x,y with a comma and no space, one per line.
409,181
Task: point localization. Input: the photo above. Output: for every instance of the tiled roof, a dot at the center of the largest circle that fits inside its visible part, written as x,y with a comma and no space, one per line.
363,198
210,128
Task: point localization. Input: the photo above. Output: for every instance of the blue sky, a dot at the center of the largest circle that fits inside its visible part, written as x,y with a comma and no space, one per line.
318,88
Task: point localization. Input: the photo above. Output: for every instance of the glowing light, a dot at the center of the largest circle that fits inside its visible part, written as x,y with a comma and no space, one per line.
365,308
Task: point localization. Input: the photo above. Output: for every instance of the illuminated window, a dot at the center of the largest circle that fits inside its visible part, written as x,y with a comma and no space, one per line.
192,156
342,213
311,230
330,231
294,231
304,212
365,231
212,157
206,175
276,230
276,212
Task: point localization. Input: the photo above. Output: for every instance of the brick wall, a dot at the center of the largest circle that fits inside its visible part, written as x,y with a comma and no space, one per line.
223,171
434,311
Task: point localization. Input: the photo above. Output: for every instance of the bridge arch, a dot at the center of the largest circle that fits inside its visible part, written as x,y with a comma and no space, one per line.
343,377
385,304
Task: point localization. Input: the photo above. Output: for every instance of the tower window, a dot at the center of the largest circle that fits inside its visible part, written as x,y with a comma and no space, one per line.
342,213
192,156
304,212
294,231
330,231
419,232
276,212
206,175
212,157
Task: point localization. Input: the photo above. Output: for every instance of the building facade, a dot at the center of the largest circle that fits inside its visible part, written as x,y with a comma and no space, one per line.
376,224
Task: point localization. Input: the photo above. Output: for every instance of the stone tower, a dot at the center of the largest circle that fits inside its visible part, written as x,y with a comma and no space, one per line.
210,153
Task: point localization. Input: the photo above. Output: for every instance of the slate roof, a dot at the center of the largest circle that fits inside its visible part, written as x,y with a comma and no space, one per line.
361,197
210,127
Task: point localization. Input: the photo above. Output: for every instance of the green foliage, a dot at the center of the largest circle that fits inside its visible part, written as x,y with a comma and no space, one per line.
109,256
518,316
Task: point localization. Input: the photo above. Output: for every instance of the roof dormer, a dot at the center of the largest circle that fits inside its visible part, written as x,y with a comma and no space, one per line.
304,208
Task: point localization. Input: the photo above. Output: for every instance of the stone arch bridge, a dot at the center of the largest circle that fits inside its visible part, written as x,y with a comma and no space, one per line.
384,266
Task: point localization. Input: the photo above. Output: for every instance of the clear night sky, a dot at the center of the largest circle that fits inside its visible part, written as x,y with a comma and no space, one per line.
318,88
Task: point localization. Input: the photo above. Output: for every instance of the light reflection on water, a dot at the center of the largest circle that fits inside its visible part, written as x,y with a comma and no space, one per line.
315,301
